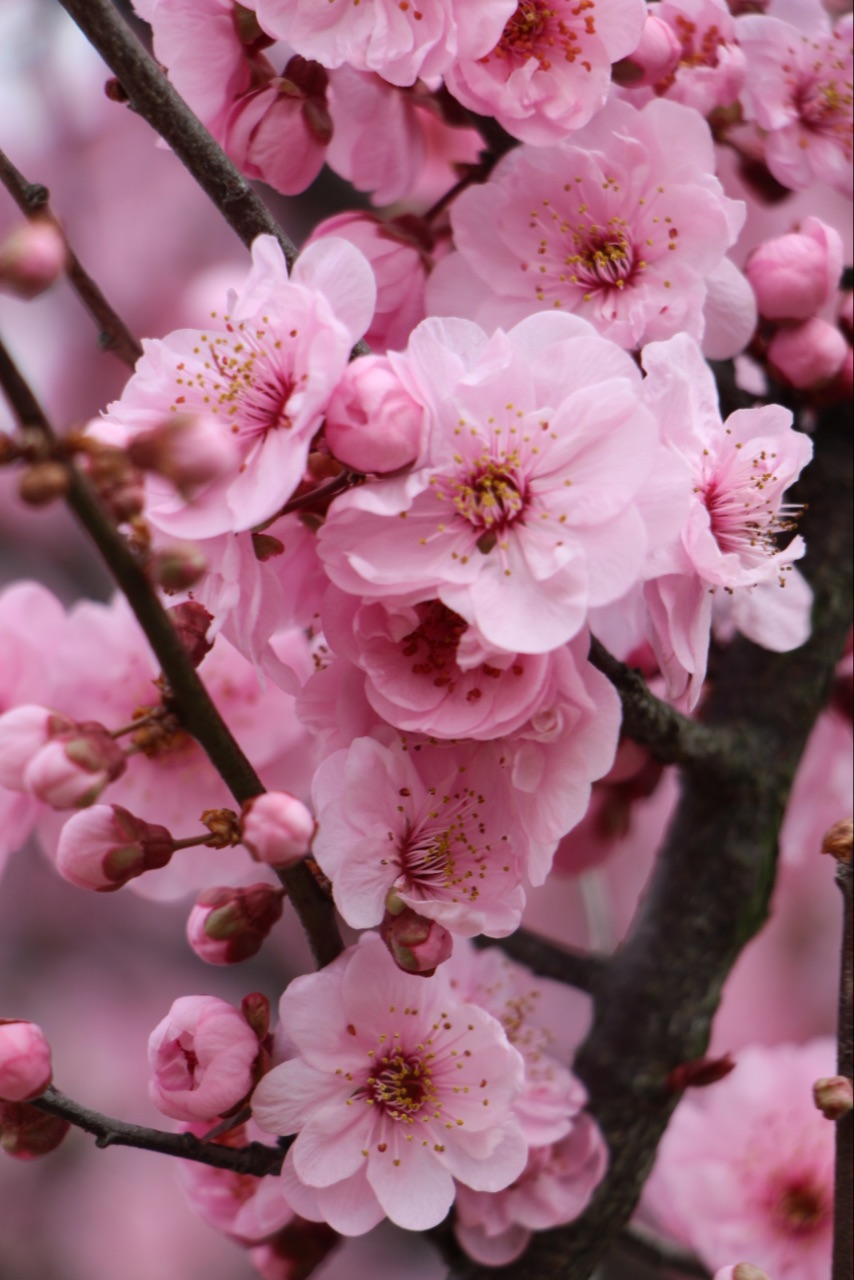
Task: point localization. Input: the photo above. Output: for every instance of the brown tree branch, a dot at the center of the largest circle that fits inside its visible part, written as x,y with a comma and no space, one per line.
32,199
580,969
712,884
843,1209
255,1159
660,1253
192,702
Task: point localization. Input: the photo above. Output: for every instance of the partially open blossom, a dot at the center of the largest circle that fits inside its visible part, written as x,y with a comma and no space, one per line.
24,730
654,57
416,944
73,768
105,846
25,1066
833,1096
230,924
276,828
32,258
808,355
187,449
27,1133
395,1088
795,275
372,422
202,1057
243,1208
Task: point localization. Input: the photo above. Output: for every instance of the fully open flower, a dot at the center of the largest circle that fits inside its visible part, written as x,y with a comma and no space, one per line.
395,1088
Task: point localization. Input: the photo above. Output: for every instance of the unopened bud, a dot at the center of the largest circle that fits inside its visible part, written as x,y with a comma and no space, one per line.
73,768
699,1073
372,422
23,732
228,925
417,945
27,1133
103,847
837,841
794,275
189,450
191,620
44,482
808,355
178,567
256,1010
277,828
32,258
833,1096
656,57
25,1067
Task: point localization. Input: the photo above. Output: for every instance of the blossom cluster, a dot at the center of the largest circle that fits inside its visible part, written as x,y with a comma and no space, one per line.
390,492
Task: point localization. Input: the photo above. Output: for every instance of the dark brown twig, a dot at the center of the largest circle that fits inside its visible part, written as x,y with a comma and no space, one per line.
113,334
192,702
843,1210
580,969
255,1159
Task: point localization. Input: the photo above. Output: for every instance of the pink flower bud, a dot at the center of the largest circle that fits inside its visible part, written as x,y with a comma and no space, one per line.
793,276
417,945
808,355
191,620
279,132
372,422
656,57
105,846
72,769
23,732
26,1132
741,1271
189,449
295,1251
228,925
202,1056
32,258
833,1096
277,828
178,567
25,1069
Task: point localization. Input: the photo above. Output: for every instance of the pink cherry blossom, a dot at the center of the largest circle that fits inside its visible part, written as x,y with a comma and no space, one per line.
808,355
379,35
711,69
244,1208
422,823
794,276
655,57
266,369
372,422
395,1089
522,512
202,1056
798,90
746,1167
551,69
104,847
25,1064
623,223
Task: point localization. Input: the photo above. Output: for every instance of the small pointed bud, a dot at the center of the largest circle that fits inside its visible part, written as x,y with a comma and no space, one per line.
417,945
191,620
256,1010
23,732
838,839
190,450
741,1271
25,1067
808,355
277,828
27,1133
178,567
75,766
656,57
833,1096
699,1073
44,482
228,925
32,258
103,847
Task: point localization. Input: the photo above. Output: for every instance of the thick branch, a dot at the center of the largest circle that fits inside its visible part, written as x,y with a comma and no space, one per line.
192,702
659,1253
843,1213
671,737
153,97
712,884
32,199
256,1158
580,969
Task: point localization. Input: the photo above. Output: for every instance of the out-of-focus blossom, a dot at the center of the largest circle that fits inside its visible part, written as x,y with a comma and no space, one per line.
25,1064
27,1133
189,450
711,66
808,355
202,1057
72,769
244,1208
32,258
794,276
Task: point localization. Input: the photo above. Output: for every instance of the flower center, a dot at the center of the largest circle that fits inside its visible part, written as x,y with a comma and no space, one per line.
802,1209
491,497
745,517
603,260
402,1085
433,643
536,31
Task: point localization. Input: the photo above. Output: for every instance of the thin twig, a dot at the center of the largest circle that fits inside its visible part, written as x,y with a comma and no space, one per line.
192,702
255,1159
113,334
669,736
152,96
580,969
